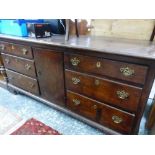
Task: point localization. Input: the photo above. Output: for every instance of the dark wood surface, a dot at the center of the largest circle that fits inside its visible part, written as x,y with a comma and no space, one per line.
85,107
18,50
49,66
104,90
22,81
109,115
20,65
110,68
109,45
100,112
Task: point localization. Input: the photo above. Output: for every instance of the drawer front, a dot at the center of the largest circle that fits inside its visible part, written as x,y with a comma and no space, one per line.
21,65
15,49
118,94
115,69
117,119
82,105
24,82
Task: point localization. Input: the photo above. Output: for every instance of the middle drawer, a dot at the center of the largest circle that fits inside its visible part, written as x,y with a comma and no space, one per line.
118,94
20,65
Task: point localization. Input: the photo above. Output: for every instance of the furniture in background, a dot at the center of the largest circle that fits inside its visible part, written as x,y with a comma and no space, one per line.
151,118
68,29
104,82
153,34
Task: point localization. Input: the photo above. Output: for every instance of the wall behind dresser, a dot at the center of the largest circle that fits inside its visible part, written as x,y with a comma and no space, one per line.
123,28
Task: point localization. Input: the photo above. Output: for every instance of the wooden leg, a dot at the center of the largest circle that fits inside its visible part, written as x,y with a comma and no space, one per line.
151,118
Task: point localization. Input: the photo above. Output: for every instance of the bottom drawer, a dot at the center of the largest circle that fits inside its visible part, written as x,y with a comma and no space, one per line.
81,105
22,81
116,119
106,115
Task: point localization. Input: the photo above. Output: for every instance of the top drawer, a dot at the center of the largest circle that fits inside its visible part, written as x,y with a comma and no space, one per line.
15,49
100,66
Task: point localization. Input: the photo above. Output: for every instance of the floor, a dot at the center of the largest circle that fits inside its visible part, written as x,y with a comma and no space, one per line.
26,108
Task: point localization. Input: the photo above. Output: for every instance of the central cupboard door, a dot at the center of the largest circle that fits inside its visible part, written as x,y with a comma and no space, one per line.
49,66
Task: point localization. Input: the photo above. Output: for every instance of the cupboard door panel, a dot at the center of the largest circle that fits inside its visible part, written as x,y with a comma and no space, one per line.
49,66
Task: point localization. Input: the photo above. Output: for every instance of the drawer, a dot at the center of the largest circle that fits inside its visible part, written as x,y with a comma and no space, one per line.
116,119
118,94
22,81
99,66
15,49
21,65
82,105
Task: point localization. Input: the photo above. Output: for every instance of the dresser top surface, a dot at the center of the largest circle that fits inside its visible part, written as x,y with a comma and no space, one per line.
127,47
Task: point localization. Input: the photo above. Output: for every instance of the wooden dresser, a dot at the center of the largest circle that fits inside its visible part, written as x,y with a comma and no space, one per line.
104,82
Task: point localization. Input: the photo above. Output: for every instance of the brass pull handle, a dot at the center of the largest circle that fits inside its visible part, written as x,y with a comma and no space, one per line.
28,67
7,60
95,106
97,82
75,61
12,47
2,47
75,80
126,71
32,85
117,119
25,51
76,102
122,94
98,64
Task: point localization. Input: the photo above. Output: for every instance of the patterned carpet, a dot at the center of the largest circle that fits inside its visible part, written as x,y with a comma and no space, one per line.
34,127
26,108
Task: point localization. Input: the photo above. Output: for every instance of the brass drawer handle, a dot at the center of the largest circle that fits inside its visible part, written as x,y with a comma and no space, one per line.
28,67
12,47
32,85
97,82
75,61
98,64
127,71
2,47
95,106
7,60
117,119
122,94
25,51
76,102
75,80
